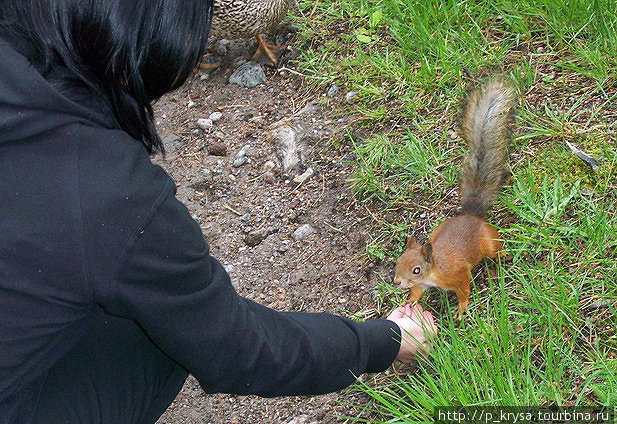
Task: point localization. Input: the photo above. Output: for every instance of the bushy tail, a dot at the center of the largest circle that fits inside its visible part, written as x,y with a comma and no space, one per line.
486,129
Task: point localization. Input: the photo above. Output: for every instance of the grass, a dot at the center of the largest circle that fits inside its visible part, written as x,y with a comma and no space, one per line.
542,331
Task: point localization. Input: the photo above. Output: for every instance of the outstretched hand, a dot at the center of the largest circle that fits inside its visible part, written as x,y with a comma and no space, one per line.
417,330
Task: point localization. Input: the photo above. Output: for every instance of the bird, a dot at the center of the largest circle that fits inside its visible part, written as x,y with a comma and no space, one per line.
235,19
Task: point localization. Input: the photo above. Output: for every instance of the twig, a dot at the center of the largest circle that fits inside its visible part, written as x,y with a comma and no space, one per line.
229,208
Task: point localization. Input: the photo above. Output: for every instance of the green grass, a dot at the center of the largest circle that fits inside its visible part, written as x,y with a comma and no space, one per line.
543,331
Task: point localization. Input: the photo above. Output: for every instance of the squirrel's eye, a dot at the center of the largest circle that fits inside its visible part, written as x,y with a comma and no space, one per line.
416,270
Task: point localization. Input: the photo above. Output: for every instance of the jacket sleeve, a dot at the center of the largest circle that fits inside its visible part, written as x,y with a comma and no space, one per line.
183,299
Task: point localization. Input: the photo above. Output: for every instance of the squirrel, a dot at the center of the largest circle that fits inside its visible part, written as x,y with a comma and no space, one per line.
461,242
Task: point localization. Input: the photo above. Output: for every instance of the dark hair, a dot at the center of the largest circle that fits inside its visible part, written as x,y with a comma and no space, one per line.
130,51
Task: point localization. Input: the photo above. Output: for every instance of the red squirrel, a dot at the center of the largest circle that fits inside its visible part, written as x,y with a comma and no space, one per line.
461,242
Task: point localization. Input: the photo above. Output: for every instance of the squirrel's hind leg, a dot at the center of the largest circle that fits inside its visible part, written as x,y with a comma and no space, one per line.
462,294
490,244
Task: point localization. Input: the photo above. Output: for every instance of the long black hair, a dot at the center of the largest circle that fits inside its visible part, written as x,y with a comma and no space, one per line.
130,51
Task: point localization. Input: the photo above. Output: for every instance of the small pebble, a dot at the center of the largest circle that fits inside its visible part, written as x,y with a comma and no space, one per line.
204,123
349,97
303,232
269,166
269,177
248,75
244,150
215,116
191,104
333,90
239,161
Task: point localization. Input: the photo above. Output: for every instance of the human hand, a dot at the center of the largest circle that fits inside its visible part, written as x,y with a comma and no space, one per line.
417,330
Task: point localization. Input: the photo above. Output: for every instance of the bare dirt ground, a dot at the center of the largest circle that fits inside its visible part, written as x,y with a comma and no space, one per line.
251,215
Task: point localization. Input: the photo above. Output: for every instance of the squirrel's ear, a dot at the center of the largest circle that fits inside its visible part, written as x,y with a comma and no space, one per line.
411,242
427,252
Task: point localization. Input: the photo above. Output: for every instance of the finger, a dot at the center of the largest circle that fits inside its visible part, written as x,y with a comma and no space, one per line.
428,318
430,323
418,308
396,313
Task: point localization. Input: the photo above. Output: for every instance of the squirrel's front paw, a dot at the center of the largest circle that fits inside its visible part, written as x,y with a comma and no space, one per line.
458,314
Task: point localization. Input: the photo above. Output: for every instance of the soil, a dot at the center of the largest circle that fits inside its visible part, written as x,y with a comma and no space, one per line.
249,215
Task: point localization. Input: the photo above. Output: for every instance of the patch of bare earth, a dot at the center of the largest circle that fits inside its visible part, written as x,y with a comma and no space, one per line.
250,214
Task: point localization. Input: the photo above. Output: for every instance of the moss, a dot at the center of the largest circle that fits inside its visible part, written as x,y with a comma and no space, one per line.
557,159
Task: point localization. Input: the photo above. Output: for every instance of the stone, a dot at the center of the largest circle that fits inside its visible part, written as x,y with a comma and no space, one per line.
269,177
349,97
248,75
303,232
204,123
269,166
241,158
244,150
239,161
333,90
215,116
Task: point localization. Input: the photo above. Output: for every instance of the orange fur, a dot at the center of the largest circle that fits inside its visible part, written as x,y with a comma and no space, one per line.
461,242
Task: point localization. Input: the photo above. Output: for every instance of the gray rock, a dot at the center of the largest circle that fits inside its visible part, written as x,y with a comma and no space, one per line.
238,162
245,217
234,281
215,116
248,75
191,105
205,124
244,150
241,158
333,90
349,97
303,232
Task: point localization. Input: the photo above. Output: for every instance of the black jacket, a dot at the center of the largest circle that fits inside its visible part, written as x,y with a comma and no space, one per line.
87,221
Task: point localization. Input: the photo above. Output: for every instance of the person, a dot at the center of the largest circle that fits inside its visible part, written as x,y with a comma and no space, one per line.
108,293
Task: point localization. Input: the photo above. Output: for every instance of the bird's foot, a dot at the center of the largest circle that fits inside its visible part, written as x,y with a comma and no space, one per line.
267,54
206,65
